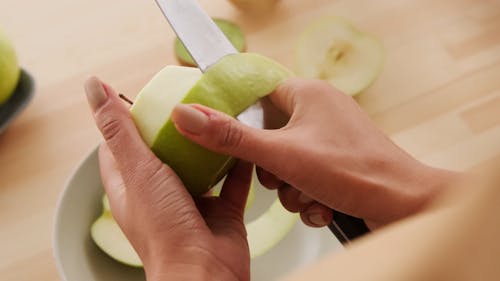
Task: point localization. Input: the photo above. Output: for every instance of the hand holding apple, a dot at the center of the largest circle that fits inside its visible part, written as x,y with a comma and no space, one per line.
158,215
329,151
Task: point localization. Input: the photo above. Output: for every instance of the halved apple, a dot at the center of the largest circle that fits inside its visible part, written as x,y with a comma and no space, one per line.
332,49
233,84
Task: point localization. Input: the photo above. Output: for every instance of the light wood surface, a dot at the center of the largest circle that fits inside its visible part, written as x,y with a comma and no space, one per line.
438,95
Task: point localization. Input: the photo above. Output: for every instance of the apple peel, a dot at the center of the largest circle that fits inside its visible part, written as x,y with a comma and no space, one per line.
231,85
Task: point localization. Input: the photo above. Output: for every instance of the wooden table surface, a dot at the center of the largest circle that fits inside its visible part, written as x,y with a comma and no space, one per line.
438,95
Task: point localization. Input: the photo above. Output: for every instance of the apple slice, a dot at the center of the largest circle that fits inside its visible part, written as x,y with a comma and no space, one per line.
109,237
332,49
251,193
269,229
232,32
233,84
105,204
263,233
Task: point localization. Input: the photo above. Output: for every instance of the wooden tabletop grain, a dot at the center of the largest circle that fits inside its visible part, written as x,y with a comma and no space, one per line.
438,95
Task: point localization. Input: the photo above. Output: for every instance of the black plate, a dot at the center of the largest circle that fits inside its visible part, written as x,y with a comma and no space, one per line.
18,101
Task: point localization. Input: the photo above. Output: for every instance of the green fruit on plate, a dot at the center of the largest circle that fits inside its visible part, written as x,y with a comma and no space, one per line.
9,69
232,85
232,31
255,6
332,49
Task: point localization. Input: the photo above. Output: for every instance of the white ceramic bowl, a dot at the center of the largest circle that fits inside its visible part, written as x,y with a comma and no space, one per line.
79,259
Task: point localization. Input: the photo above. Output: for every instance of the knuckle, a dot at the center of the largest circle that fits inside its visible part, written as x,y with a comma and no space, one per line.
286,202
149,173
300,89
110,127
315,87
230,135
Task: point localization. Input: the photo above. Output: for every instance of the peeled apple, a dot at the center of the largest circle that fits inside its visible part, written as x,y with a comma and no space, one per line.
233,84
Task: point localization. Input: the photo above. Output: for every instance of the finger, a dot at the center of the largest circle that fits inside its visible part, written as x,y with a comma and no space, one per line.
273,117
237,184
317,215
268,179
224,134
115,123
111,178
292,199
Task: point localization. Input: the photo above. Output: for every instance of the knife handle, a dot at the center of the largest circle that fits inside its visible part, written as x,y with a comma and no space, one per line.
347,228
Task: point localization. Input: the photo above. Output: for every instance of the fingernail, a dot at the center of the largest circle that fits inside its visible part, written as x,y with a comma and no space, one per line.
96,94
317,220
189,119
304,199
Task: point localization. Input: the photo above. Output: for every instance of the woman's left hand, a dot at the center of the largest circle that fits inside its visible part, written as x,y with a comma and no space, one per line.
177,237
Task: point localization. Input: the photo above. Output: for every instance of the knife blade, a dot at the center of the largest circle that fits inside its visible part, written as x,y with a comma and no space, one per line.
207,44
203,39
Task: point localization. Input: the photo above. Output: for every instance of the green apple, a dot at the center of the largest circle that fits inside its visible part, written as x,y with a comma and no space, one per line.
332,49
232,31
9,69
255,6
233,84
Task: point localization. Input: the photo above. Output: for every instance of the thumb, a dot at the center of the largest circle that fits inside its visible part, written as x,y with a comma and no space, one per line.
222,133
142,172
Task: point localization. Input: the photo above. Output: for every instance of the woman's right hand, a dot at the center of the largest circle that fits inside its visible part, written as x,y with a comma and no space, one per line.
328,155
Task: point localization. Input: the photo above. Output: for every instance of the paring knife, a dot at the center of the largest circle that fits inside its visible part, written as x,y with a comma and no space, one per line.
207,45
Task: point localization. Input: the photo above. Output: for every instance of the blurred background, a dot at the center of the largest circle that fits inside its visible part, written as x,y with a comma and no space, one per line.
438,95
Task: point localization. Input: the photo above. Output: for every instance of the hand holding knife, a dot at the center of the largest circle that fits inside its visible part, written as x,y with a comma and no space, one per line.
207,44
